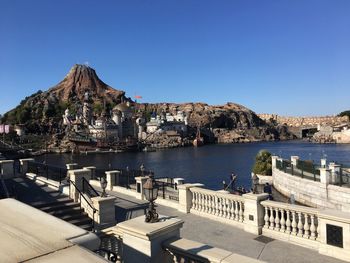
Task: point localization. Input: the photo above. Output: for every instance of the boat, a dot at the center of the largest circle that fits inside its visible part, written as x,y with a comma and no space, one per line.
198,141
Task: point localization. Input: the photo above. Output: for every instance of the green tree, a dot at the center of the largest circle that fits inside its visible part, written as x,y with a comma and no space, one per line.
344,113
97,108
263,163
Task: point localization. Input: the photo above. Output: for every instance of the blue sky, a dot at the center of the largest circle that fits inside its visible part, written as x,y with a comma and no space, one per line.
285,57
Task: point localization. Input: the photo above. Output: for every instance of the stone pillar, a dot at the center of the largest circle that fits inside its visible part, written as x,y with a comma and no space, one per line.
294,160
323,162
139,186
185,196
76,176
334,172
142,242
254,212
334,221
324,176
24,164
71,166
105,209
7,169
92,170
112,178
274,161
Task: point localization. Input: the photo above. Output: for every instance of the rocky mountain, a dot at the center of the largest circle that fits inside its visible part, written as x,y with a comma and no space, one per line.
42,111
82,78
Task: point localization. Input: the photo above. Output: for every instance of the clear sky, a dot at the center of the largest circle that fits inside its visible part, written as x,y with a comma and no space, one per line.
290,57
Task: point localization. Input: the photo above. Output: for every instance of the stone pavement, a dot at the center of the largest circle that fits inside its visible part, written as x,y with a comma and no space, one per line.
224,236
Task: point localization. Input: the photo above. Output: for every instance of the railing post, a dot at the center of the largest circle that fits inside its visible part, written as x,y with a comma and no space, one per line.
324,176
92,170
7,168
254,212
76,176
186,196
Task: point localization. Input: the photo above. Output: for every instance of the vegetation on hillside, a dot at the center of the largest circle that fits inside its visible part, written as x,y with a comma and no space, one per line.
344,113
263,163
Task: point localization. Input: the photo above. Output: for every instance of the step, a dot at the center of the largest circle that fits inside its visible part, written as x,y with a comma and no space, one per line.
80,221
59,206
72,217
67,211
42,204
87,227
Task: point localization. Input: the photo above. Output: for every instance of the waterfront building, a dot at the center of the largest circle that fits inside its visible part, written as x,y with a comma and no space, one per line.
168,122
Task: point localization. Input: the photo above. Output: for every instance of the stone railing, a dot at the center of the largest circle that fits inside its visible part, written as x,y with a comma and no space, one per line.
216,204
291,220
184,250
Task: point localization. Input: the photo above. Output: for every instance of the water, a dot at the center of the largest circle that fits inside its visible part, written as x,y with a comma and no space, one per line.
210,164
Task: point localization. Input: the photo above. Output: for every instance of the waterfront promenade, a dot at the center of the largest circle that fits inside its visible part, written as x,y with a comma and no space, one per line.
224,236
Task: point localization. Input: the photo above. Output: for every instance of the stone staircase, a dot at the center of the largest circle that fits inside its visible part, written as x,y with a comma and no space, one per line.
67,210
51,201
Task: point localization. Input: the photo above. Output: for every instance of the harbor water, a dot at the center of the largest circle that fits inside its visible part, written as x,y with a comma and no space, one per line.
210,164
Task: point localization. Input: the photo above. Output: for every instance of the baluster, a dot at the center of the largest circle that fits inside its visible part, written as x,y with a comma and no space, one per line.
228,208
216,206
200,202
220,206
272,219
288,223
306,226
232,210
223,207
294,224
318,229
300,225
194,205
241,211
236,211
266,217
205,203
210,205
277,221
283,221
313,227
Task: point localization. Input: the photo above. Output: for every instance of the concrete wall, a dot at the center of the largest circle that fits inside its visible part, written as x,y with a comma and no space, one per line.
314,194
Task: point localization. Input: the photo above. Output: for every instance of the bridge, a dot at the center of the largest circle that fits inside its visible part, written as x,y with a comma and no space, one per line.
304,127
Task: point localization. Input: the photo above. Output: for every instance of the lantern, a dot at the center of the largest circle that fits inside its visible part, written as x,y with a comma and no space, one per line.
150,189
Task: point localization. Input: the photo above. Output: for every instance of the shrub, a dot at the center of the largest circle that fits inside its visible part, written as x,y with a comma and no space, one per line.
263,164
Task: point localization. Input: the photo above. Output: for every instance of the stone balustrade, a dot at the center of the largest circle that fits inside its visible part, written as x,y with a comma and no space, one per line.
291,220
217,204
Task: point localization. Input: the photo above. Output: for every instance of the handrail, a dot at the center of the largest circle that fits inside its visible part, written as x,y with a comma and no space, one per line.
286,206
94,210
222,195
89,187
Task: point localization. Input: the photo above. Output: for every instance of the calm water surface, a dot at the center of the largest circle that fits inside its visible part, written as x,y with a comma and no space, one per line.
210,164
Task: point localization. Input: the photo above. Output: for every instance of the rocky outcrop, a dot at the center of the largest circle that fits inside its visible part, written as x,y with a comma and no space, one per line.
229,123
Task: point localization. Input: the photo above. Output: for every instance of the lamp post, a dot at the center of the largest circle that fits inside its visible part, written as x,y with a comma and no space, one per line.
150,189
142,169
103,183
255,180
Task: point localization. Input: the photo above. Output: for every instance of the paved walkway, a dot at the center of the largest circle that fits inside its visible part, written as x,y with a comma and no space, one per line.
224,236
